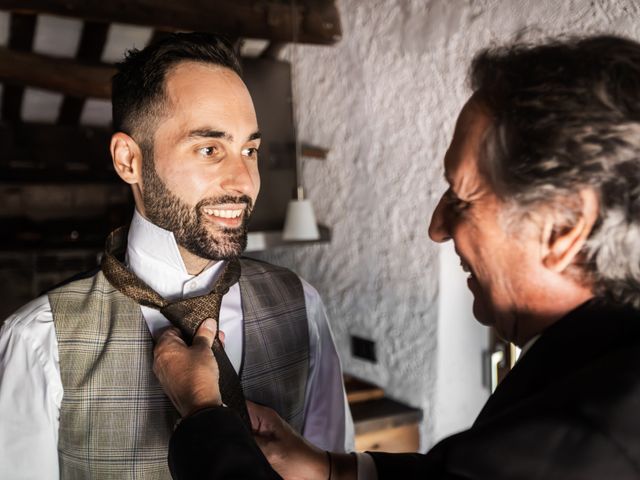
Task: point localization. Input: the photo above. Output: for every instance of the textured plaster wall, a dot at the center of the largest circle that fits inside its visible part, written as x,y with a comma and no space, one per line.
385,99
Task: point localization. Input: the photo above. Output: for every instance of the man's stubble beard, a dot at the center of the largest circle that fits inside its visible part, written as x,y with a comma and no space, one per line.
168,211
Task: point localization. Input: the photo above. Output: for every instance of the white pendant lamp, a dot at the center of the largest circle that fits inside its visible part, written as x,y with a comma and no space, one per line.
300,221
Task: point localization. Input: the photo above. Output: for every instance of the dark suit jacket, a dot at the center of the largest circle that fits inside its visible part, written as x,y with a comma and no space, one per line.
569,409
214,444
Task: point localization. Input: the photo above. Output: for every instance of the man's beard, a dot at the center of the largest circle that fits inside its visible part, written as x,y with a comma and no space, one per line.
167,211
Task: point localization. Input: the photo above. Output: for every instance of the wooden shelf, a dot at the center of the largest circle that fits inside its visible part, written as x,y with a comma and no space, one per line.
266,240
361,391
381,414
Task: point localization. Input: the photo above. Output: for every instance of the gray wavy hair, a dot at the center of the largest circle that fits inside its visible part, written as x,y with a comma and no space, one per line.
567,116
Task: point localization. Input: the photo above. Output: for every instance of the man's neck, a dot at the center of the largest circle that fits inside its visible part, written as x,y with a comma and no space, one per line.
555,309
193,263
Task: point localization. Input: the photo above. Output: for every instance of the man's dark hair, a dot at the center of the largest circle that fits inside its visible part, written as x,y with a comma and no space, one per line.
138,89
566,116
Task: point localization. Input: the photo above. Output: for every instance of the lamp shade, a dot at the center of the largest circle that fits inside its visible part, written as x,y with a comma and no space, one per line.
300,222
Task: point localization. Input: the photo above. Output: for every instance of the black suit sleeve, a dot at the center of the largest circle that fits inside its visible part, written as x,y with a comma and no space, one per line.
553,445
214,444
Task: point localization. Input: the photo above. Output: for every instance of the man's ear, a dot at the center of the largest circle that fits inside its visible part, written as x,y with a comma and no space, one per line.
560,248
127,158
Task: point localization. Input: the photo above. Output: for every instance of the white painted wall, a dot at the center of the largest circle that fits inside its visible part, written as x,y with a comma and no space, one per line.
385,100
460,391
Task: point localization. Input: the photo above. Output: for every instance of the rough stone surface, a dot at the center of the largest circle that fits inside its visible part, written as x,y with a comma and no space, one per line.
385,99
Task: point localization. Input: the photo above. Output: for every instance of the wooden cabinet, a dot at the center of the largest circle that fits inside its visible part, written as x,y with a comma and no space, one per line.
382,424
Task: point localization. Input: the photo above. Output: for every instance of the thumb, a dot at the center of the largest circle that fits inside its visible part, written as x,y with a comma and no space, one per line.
206,333
264,421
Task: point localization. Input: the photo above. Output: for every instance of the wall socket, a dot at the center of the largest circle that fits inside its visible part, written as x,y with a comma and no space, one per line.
363,348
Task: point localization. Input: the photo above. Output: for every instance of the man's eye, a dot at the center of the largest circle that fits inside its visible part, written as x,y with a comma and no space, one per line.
250,152
208,151
456,204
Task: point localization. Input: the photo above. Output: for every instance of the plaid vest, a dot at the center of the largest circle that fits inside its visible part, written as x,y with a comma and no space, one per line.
115,420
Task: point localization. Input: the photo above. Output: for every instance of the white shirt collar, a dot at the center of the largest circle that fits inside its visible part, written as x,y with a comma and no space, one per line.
526,347
153,255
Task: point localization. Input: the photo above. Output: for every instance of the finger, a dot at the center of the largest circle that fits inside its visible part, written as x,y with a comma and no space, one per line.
221,337
168,336
263,419
169,341
206,333
253,415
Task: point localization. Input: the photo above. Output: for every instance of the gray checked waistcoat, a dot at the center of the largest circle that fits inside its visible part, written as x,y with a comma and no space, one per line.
115,420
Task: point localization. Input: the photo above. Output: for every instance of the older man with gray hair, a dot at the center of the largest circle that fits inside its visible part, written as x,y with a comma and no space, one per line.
543,207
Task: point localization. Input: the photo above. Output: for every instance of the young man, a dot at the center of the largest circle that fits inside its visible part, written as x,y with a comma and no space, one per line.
76,387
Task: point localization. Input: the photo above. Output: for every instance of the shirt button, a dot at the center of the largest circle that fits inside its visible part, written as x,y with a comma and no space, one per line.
192,286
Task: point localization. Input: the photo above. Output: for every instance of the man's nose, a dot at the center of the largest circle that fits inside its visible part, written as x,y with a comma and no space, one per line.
438,231
237,177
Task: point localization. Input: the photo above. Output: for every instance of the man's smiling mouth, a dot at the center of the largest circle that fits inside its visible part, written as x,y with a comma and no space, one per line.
466,268
229,216
223,213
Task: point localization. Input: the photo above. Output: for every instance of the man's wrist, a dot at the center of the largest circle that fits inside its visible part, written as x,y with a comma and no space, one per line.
344,466
327,465
193,409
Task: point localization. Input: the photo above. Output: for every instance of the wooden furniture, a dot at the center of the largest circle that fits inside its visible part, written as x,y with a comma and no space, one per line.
381,424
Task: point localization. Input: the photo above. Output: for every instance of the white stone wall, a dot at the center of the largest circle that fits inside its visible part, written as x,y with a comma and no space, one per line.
385,99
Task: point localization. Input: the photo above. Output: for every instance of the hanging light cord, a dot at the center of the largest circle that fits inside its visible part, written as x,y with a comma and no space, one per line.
294,104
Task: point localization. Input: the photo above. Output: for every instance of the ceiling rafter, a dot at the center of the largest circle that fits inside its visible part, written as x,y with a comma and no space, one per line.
21,33
67,76
314,21
92,41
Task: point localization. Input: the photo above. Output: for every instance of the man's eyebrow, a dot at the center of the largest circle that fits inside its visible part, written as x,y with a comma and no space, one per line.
254,136
208,133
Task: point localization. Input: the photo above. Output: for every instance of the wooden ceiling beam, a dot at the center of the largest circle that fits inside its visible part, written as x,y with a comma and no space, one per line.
21,33
273,50
49,153
67,76
92,41
157,36
316,21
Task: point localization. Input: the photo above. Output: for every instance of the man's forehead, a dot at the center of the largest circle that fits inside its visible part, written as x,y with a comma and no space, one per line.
201,83
191,69
206,100
464,150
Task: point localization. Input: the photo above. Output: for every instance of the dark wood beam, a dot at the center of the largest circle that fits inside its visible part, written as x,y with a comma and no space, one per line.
71,110
316,21
42,153
61,75
21,33
92,40
158,35
273,50
12,102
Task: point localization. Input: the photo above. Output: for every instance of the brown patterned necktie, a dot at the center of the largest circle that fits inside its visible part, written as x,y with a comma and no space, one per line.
185,314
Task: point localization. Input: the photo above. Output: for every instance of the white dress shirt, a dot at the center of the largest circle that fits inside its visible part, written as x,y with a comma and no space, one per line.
31,388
